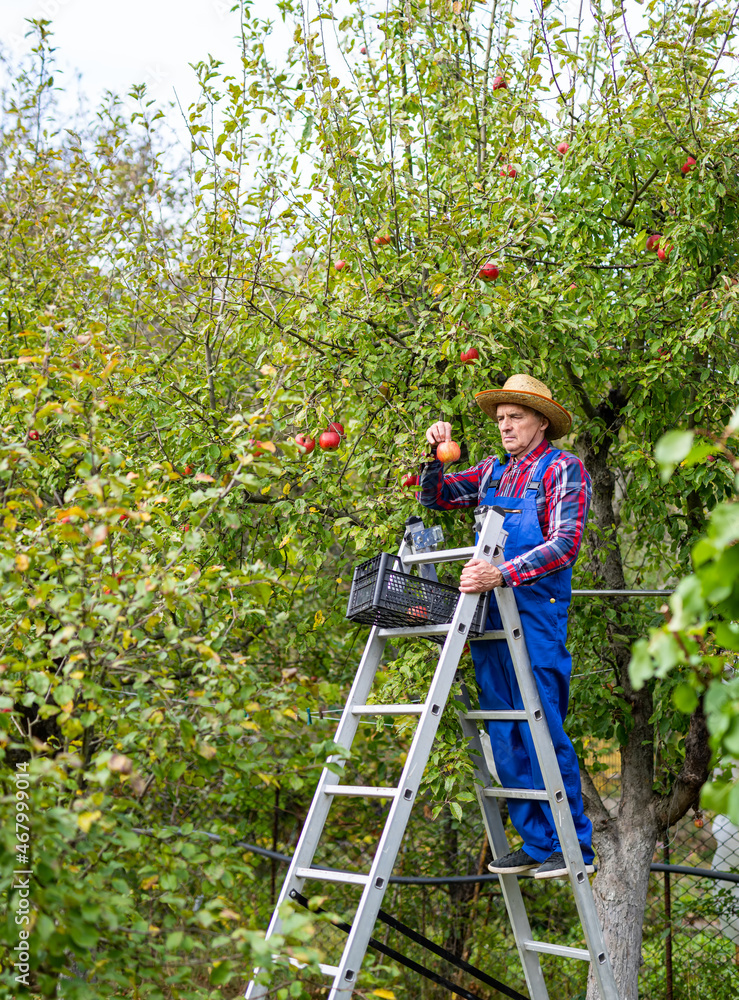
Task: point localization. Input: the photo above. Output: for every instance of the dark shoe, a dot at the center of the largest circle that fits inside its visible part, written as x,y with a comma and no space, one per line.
555,867
512,864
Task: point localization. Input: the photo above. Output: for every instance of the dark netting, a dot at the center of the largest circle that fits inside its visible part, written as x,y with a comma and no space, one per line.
381,595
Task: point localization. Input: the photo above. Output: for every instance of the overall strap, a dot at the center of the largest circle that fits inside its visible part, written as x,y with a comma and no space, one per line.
541,467
493,482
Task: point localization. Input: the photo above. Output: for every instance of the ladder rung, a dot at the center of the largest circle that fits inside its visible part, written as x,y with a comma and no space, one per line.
498,633
420,630
557,949
442,555
504,715
516,793
327,970
370,791
325,875
387,709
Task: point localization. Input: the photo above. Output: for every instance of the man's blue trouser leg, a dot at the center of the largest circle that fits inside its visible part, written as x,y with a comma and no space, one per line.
513,747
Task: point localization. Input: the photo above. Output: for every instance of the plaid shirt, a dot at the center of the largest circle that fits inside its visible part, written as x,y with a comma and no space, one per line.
562,505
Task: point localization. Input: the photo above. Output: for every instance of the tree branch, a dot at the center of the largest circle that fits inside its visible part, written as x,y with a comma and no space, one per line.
692,776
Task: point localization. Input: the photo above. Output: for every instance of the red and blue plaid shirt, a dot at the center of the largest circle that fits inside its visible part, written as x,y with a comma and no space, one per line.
562,505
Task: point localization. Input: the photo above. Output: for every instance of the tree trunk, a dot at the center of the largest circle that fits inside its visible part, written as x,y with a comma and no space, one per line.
625,853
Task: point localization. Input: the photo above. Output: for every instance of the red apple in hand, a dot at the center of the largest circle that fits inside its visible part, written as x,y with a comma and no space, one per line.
448,451
488,272
563,148
499,83
307,444
411,481
329,440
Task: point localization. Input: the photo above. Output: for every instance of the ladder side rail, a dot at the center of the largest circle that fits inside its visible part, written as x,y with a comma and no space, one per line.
498,841
418,754
563,821
315,820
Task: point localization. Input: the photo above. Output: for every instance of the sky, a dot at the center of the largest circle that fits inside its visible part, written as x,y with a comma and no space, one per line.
117,45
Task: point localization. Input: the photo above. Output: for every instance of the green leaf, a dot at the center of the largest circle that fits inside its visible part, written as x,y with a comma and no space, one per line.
671,449
685,698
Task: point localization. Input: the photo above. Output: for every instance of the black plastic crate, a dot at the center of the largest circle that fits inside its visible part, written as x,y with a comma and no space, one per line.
384,596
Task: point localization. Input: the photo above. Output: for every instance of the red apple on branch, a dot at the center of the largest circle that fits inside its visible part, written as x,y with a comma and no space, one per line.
363,50
329,440
340,265
653,242
33,435
339,428
563,148
382,241
448,451
488,272
499,83
469,357
305,443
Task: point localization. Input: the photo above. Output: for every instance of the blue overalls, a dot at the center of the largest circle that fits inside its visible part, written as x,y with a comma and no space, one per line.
543,608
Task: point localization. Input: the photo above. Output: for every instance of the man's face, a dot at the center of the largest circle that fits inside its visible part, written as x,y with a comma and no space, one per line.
521,428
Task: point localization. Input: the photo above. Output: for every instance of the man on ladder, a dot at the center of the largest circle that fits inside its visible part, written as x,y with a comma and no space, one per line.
546,495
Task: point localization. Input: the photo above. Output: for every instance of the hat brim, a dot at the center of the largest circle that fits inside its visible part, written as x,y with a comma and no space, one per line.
560,421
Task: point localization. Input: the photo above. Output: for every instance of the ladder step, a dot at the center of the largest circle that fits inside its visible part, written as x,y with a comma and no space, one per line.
369,791
498,633
505,715
516,793
327,970
387,709
326,875
418,630
557,949
442,555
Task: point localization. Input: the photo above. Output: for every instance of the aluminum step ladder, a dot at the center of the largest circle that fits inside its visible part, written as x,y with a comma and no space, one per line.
415,550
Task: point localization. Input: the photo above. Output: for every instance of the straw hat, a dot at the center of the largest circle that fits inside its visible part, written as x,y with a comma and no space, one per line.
530,392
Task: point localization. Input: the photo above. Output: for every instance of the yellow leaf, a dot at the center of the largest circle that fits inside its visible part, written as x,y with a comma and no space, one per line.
149,883
438,289
10,522
286,489
385,994
318,619
86,819
21,562
71,512
265,489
